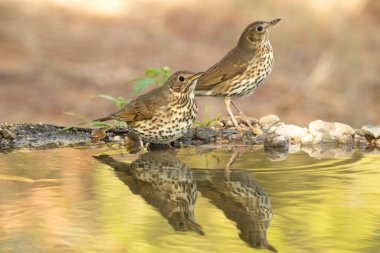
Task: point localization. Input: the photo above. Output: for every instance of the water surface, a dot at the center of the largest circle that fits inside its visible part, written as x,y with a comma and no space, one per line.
232,199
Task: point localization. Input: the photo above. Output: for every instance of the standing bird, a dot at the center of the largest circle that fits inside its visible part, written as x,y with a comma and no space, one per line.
164,114
242,70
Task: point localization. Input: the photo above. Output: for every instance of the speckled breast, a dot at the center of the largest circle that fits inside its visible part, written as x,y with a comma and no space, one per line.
170,123
258,71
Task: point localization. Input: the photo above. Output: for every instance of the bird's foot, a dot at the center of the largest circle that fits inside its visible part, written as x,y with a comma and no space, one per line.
241,130
245,119
257,131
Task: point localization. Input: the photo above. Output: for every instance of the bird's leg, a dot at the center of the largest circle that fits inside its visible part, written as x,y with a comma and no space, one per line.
244,118
256,131
237,152
132,140
227,169
227,102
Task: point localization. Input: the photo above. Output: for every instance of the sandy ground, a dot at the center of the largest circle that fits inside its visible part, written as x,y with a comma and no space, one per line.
56,55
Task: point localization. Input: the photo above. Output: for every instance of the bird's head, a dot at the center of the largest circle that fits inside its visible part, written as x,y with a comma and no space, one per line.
257,32
183,81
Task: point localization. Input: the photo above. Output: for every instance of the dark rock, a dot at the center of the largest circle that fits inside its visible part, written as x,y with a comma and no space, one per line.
235,137
184,140
204,133
190,133
226,132
360,141
7,134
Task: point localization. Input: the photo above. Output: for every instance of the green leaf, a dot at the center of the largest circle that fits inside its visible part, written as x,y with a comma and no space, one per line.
166,73
122,124
99,124
107,97
120,102
141,84
152,72
82,117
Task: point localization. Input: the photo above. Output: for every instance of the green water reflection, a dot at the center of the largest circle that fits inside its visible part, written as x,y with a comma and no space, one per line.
240,199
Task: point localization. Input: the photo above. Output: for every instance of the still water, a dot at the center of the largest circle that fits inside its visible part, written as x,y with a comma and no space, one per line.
231,199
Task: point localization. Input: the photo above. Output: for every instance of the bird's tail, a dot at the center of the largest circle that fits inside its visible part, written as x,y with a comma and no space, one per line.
104,119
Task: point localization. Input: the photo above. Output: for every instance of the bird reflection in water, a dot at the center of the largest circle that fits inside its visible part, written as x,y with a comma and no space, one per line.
241,199
164,182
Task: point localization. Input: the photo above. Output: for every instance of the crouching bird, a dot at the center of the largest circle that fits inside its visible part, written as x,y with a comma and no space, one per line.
164,114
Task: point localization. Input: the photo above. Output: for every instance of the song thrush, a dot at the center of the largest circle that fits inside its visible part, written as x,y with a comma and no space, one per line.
164,182
163,114
241,199
242,70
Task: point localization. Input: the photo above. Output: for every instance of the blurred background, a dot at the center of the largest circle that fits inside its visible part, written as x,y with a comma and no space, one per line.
57,55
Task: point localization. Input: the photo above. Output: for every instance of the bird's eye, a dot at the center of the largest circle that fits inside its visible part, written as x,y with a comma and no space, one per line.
181,78
259,28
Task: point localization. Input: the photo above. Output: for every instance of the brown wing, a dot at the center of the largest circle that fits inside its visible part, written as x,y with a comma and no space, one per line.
142,108
233,64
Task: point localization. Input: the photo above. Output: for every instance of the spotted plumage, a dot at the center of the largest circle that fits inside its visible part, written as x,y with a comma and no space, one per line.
243,69
164,114
242,200
164,182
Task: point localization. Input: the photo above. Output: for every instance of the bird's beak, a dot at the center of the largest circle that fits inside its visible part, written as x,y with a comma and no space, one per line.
273,22
193,81
196,76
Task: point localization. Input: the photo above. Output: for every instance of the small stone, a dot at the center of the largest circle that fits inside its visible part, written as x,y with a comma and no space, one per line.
116,138
253,120
98,134
256,130
204,133
229,131
227,121
341,130
319,126
325,138
307,139
277,136
346,139
371,131
216,124
295,133
235,137
334,130
360,140
318,137
190,133
7,134
184,141
268,120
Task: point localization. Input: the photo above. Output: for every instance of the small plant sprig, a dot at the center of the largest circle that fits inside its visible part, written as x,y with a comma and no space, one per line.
94,123
151,77
207,121
154,76
120,102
